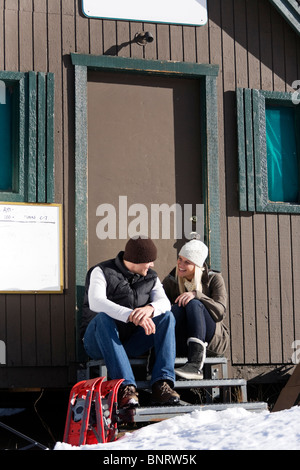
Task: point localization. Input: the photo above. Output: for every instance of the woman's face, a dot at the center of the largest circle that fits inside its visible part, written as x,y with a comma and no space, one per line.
185,268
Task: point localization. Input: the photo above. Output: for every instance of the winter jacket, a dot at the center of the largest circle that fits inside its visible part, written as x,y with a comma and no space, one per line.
123,288
214,298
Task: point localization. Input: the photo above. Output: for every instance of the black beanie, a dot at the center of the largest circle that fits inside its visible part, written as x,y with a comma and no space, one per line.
140,250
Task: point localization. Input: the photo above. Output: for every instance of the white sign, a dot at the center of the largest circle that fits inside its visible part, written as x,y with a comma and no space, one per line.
184,12
30,248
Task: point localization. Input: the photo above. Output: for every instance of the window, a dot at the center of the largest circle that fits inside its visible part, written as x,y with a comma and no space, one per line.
26,137
269,153
282,155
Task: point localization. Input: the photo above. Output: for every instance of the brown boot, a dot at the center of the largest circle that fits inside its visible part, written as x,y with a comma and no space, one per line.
163,394
128,397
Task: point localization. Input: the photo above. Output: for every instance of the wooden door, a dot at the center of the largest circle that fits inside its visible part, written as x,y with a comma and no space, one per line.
143,157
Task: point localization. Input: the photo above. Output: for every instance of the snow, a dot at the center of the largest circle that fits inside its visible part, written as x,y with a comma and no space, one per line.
230,429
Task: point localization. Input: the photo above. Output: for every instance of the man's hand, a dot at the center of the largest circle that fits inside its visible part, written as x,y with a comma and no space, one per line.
141,316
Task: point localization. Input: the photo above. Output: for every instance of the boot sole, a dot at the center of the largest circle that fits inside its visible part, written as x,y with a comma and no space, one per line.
188,376
129,406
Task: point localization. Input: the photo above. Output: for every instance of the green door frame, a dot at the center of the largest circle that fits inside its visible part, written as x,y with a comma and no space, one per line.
207,76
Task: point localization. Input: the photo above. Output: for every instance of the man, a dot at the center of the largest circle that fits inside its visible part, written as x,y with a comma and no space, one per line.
126,313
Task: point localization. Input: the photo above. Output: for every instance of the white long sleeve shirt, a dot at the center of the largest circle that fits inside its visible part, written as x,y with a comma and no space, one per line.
98,301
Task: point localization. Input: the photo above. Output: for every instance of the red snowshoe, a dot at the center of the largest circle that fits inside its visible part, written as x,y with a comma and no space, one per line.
92,412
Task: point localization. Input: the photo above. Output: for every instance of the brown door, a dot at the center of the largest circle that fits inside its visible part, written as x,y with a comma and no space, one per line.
143,157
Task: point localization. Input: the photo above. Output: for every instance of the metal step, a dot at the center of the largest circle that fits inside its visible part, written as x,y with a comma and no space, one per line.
212,387
144,384
205,384
159,413
143,361
208,360
84,374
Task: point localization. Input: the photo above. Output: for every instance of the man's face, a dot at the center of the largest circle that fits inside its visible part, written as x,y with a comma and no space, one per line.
141,268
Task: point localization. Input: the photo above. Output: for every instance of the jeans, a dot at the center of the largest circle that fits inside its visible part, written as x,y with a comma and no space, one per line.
193,320
102,340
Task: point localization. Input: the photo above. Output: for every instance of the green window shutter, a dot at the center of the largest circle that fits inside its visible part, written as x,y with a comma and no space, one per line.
32,140
268,151
245,150
5,140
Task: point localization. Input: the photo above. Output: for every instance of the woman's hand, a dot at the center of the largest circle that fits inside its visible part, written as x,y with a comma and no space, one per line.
184,299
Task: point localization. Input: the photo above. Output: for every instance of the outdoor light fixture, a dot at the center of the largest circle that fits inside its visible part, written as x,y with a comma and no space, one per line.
143,38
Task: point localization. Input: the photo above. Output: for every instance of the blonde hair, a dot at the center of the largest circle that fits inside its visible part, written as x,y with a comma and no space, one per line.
194,284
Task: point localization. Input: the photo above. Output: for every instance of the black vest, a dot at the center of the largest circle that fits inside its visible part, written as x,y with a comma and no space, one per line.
123,287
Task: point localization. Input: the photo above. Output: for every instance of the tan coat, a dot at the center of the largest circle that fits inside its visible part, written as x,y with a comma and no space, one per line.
214,297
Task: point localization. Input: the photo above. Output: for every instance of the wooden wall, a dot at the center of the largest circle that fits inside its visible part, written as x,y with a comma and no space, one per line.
254,47
261,252
39,329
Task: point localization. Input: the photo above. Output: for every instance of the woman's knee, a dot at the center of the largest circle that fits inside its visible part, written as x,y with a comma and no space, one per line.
194,304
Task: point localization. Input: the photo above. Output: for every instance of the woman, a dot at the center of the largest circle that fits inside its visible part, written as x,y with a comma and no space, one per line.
198,298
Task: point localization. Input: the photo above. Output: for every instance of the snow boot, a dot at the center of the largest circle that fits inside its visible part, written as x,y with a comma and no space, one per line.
192,370
128,397
163,394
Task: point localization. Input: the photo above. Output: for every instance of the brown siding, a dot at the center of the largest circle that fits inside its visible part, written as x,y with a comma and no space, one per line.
39,329
254,47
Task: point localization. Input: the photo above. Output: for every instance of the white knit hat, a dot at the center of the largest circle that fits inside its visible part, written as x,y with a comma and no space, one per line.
195,251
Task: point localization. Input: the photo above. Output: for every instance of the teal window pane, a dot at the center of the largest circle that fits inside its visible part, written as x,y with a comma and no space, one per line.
282,155
5,140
